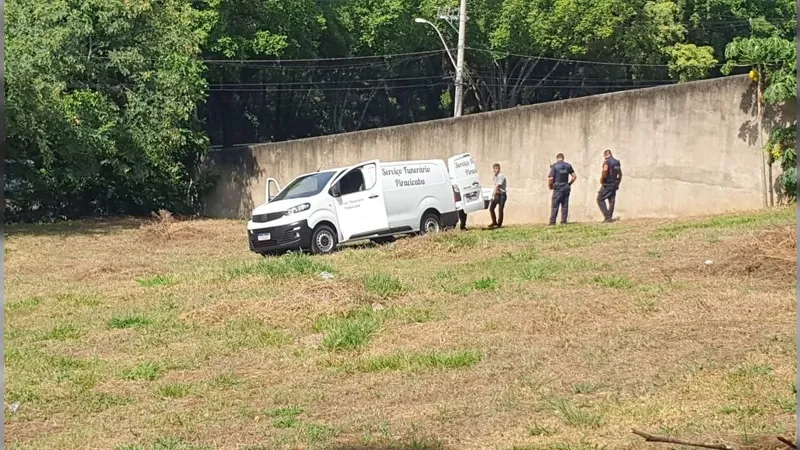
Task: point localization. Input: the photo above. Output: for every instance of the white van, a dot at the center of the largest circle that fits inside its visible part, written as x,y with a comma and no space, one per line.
370,200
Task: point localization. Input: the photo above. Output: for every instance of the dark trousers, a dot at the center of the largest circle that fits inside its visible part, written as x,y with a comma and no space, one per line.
498,200
560,199
462,218
607,194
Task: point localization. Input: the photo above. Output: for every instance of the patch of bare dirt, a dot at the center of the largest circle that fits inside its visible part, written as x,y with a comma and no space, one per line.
165,226
770,255
18,432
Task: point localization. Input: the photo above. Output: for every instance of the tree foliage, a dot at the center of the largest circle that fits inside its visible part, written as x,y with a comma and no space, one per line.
782,147
100,100
689,62
112,104
520,52
774,66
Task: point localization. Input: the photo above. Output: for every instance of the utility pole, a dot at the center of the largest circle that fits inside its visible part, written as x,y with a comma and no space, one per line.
448,16
462,31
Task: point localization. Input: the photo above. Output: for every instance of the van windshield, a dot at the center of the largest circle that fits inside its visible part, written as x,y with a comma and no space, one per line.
305,186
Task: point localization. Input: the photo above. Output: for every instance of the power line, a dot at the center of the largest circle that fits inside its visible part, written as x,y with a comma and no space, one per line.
291,64
311,88
702,23
293,68
737,18
481,76
484,76
431,85
344,58
318,64
546,58
355,88
375,80
603,63
251,63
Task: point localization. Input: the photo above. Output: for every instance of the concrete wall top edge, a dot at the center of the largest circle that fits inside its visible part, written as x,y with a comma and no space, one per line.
648,92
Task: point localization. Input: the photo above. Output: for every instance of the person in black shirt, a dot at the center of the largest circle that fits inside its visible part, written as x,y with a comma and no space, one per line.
560,180
610,179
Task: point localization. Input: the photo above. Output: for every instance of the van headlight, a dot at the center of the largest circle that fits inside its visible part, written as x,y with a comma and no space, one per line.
297,209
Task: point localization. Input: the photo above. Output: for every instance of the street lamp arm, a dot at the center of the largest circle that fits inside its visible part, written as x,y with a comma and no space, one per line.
459,64
450,55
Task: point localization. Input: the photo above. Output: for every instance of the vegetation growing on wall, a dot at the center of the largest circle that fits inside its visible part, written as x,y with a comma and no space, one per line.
774,66
782,146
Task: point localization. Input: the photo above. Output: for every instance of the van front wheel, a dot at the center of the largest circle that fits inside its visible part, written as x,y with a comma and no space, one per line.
430,223
323,240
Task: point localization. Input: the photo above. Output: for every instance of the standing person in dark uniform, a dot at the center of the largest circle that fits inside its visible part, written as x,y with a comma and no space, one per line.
609,183
498,197
560,180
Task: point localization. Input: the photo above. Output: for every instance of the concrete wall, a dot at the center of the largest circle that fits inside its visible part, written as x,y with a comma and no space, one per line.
685,149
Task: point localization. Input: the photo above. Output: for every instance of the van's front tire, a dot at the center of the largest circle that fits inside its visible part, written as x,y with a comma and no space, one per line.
430,223
323,240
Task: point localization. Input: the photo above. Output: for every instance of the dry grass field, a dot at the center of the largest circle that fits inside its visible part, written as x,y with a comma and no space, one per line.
171,335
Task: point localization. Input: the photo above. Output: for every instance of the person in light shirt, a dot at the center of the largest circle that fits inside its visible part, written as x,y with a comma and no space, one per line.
499,197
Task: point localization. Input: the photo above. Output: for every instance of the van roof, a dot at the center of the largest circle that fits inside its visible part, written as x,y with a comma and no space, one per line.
413,161
339,169
335,169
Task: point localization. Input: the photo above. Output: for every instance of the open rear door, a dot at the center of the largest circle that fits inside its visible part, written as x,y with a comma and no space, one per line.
464,176
360,207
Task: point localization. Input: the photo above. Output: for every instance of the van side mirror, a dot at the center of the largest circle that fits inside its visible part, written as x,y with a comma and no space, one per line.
334,191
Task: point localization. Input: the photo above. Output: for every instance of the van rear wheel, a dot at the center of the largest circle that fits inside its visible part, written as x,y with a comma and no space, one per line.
430,223
323,240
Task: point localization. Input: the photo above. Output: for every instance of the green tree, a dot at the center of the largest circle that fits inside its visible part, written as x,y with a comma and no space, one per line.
100,97
689,62
774,66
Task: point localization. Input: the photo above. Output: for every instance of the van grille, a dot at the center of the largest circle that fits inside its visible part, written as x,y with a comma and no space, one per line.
269,217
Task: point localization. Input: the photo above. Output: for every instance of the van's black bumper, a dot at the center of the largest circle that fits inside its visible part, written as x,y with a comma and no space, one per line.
296,235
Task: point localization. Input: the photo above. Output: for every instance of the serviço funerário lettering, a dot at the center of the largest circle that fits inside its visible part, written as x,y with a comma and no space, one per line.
408,183
465,165
405,170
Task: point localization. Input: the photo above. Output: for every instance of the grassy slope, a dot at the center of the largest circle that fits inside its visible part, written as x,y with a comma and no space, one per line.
175,337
